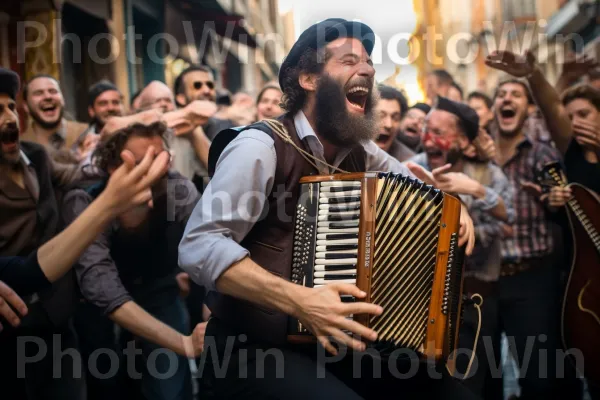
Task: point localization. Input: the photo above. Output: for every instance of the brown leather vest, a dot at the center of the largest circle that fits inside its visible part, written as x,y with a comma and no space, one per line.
270,240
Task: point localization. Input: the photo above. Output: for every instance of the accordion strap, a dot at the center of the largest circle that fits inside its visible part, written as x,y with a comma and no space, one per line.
280,131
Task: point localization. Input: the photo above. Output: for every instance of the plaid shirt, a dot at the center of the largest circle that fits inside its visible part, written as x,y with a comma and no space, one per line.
484,263
532,231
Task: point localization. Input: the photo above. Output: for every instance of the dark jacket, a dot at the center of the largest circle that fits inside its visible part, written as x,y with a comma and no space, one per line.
29,219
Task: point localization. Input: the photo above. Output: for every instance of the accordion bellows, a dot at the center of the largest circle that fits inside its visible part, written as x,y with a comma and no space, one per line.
396,239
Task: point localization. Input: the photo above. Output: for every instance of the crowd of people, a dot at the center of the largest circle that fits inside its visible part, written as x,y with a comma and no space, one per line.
116,239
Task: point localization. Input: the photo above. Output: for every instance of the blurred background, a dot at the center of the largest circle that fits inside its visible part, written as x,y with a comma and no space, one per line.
132,42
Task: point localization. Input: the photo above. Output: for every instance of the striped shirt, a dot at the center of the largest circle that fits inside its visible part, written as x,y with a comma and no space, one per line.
532,228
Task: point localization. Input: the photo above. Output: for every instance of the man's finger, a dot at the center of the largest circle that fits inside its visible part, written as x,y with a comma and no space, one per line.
347,341
142,168
421,173
461,229
347,288
11,297
142,198
324,340
7,313
471,242
159,167
441,170
584,141
357,329
361,307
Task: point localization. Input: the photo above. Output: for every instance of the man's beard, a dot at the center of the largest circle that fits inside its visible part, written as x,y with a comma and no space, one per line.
454,155
199,97
335,123
10,134
513,132
412,142
46,124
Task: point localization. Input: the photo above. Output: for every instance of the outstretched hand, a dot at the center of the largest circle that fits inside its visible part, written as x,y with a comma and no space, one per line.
515,65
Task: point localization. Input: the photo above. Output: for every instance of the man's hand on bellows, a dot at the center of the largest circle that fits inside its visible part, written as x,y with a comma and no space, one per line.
467,231
324,314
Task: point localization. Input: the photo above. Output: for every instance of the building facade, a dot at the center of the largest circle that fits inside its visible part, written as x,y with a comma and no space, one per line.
132,42
469,30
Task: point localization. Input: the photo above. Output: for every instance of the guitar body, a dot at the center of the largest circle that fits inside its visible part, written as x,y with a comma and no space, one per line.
581,304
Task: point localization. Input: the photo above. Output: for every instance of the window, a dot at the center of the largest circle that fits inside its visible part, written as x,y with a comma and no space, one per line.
519,10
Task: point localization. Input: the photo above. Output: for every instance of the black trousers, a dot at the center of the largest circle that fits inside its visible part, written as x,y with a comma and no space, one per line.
41,365
234,367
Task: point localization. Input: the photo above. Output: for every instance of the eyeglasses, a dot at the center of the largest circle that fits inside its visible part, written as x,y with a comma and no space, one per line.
198,85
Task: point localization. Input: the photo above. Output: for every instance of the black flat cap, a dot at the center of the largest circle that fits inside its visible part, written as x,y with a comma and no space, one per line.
422,106
467,116
322,33
98,88
9,83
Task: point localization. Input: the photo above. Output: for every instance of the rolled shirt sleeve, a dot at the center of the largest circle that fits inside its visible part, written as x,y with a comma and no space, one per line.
229,207
96,271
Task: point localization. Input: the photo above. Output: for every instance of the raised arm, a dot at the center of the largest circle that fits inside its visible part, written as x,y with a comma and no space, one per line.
126,188
546,97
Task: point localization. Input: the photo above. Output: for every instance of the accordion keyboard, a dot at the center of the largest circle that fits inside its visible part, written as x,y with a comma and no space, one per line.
337,233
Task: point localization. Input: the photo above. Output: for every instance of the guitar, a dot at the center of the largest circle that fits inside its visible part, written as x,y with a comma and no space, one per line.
580,315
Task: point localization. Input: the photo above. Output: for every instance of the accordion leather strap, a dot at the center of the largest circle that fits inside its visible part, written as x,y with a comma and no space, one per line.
478,308
280,131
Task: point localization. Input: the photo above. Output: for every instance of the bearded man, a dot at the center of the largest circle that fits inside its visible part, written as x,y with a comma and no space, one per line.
241,249
45,105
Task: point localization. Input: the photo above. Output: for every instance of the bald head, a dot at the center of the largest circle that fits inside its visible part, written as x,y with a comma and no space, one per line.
156,95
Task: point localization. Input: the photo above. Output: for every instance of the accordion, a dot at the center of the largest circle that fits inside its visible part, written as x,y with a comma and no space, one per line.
396,238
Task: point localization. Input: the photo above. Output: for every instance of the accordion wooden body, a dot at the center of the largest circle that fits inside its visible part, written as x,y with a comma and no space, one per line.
396,239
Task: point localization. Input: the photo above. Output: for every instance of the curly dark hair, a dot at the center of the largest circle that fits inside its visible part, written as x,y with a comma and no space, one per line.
294,96
107,154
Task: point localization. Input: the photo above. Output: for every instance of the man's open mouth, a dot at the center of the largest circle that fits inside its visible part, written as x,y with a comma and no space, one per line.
411,130
357,97
49,109
9,138
382,138
434,155
507,113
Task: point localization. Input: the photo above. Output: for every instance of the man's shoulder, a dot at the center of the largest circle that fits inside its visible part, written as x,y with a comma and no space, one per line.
35,152
73,130
30,147
78,194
